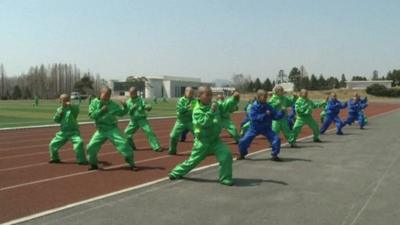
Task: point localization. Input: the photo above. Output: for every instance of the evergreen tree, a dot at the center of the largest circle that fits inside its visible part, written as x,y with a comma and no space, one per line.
342,82
257,84
17,93
313,82
267,85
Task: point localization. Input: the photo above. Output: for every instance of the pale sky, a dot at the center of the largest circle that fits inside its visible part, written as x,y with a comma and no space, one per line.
210,39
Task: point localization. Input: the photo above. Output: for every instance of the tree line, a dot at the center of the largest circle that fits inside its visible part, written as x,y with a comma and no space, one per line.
48,82
301,80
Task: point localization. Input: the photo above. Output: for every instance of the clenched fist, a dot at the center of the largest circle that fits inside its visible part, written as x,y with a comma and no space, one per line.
104,108
214,106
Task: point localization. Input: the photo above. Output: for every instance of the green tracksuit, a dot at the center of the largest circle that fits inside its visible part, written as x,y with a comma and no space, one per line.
184,110
304,108
229,106
67,118
36,98
282,103
107,128
207,128
137,108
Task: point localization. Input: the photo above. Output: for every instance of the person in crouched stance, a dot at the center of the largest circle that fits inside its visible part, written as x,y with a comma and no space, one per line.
137,110
261,116
304,109
105,112
332,111
207,127
66,116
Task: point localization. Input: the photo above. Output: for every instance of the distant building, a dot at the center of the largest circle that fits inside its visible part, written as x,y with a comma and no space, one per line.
159,86
222,83
288,86
362,84
226,91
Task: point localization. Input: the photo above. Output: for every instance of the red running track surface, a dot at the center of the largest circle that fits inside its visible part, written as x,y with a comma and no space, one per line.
28,184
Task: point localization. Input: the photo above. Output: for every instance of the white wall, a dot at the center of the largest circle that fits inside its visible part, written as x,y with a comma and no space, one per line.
364,84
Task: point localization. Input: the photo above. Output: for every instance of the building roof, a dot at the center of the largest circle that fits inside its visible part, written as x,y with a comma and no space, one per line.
369,81
174,78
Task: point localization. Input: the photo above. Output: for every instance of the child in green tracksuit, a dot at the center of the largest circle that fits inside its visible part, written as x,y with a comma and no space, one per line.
66,116
184,110
105,112
137,108
229,106
36,98
304,108
207,128
280,102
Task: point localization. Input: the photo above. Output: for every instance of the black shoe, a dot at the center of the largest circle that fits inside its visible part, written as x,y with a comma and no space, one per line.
160,149
83,163
93,167
171,153
317,141
339,133
134,168
182,140
172,177
275,158
293,145
55,161
240,157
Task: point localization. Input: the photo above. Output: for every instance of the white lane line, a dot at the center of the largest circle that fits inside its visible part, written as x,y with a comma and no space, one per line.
46,163
143,139
51,211
116,166
51,135
82,173
86,123
80,123
373,192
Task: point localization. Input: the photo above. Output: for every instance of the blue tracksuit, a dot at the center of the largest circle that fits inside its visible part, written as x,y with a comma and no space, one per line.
355,112
333,108
261,123
184,134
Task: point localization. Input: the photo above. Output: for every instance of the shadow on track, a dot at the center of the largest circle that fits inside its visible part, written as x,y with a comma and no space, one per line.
238,182
283,159
140,168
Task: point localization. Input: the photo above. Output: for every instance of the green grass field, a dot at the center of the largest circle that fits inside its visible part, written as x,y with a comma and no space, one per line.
16,113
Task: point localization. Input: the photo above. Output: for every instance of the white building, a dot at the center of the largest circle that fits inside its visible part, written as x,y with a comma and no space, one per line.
362,84
226,91
160,86
288,86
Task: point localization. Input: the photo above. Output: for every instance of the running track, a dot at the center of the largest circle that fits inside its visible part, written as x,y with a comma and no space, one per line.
28,184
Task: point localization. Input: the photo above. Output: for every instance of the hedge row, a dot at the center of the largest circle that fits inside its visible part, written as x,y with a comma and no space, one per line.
381,90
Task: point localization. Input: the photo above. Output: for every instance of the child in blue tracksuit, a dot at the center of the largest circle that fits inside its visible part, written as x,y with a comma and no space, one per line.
261,116
332,111
356,107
